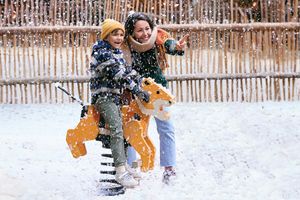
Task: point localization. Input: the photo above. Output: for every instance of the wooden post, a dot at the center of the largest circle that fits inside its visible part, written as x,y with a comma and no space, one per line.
296,5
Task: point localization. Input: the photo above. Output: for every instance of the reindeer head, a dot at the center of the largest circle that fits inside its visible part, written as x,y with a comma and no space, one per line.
160,97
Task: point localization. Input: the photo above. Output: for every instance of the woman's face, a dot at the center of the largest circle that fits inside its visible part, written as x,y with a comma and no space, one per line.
142,31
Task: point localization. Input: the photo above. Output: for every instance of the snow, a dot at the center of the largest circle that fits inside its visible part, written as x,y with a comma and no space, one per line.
225,151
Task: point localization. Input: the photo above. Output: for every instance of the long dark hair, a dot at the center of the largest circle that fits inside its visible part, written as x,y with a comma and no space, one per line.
133,18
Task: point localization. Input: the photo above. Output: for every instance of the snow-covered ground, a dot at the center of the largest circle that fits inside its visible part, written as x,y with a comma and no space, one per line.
226,151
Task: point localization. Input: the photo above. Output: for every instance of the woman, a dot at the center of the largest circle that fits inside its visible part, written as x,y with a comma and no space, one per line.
145,51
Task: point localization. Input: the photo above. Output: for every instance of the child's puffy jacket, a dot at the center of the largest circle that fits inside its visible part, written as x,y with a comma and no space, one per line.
109,74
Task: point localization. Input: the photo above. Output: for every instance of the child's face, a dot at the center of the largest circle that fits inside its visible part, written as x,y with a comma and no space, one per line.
116,38
142,31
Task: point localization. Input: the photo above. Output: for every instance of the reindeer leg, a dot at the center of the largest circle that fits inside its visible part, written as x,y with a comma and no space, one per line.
153,151
87,129
133,132
77,147
145,123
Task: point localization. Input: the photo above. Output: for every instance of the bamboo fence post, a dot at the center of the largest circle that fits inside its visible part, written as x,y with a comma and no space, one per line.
82,64
180,82
285,64
38,36
13,63
32,13
93,13
15,13
127,7
18,63
176,82
235,43
296,7
204,69
8,64
297,67
74,50
33,47
71,12
258,65
4,66
215,69
231,11
1,16
84,15
24,38
294,51
288,51
48,67
201,82
192,69
54,45
41,13
232,62
221,36
85,64
68,12
76,70
29,67
63,10
44,16
21,66
242,66
69,68
60,46
109,10
100,9
250,67
225,68
6,14
43,67
187,71
271,67
60,13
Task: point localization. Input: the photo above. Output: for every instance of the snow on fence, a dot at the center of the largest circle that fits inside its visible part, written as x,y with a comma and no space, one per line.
224,62
92,12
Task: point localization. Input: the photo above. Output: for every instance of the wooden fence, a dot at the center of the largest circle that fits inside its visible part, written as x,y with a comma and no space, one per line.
230,57
223,62
92,12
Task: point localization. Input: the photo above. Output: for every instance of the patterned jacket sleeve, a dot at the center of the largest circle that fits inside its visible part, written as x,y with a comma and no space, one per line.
170,46
164,38
132,80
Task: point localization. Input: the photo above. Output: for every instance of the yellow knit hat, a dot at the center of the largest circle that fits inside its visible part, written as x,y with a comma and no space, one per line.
108,26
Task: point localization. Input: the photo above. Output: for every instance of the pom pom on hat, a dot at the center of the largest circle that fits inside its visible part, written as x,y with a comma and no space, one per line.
108,26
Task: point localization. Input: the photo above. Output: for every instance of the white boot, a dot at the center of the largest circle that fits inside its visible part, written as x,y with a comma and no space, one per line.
134,172
125,178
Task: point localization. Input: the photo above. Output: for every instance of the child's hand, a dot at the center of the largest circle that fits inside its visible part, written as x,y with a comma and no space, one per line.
182,42
144,96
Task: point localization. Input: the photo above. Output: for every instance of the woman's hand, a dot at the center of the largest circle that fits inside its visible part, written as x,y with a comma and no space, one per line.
182,42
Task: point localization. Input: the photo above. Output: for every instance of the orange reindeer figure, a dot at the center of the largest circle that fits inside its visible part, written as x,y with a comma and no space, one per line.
135,124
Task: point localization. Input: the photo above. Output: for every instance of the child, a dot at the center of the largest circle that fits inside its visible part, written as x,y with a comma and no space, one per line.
109,76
